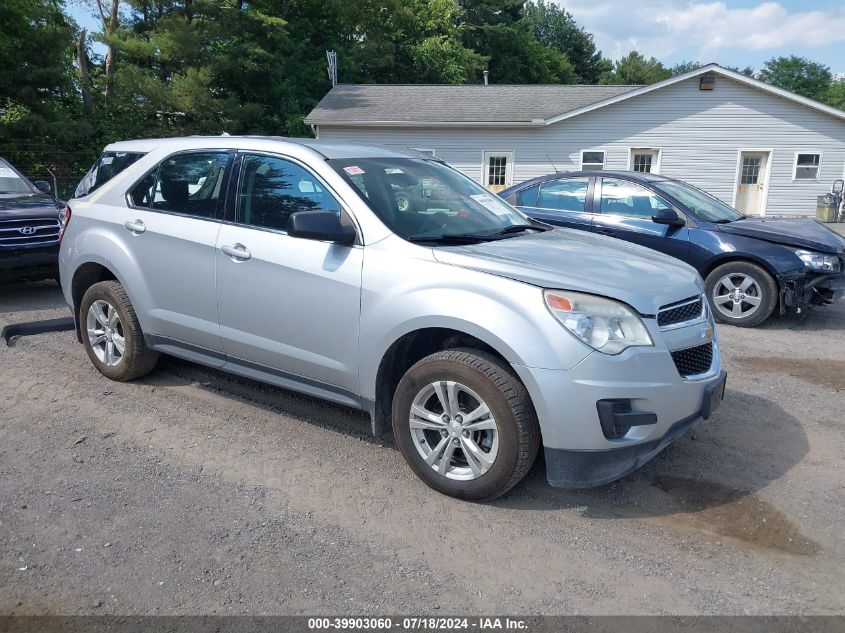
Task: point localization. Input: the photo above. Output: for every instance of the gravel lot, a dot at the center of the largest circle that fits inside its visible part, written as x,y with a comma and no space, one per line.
192,492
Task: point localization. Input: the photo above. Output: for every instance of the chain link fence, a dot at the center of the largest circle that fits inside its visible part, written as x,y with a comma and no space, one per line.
63,168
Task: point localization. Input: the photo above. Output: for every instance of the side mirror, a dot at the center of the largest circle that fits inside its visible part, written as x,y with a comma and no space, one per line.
668,217
43,186
323,226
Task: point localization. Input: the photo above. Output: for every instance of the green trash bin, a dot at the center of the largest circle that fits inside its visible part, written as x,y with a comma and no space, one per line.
826,207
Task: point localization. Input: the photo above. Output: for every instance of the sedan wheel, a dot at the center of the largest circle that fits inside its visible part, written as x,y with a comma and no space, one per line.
737,296
741,293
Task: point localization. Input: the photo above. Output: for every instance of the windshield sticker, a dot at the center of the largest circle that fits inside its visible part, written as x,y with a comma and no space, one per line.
353,170
107,160
7,173
491,204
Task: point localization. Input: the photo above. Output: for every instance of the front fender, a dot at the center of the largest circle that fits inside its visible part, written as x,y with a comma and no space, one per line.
509,316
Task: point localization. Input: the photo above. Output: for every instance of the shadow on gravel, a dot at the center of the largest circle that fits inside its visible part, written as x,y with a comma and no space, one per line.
23,297
205,383
816,319
707,481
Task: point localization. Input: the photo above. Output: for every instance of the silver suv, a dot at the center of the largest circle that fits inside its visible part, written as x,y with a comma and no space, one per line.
386,280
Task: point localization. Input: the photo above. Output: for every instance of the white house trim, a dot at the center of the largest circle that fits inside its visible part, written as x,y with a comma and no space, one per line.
709,68
771,152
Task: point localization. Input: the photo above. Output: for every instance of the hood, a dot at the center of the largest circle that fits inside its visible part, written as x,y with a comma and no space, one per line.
23,206
574,260
807,234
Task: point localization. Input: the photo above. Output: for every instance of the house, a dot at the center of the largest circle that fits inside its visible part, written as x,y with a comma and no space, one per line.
762,149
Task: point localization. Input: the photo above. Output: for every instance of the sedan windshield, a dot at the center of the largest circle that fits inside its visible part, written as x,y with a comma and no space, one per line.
705,206
10,181
426,201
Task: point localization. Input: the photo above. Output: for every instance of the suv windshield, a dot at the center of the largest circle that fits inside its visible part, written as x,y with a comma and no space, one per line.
426,201
10,181
109,166
705,206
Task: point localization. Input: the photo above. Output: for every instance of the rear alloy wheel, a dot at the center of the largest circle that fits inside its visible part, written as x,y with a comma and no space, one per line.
112,335
741,293
465,424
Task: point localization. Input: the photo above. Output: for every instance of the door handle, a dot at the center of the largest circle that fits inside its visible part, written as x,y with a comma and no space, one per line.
136,227
238,252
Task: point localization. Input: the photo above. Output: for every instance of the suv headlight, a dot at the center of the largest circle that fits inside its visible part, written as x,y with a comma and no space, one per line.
606,325
819,261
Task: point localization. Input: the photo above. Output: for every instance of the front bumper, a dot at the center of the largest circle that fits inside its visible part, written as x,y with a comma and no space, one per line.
32,263
802,288
590,468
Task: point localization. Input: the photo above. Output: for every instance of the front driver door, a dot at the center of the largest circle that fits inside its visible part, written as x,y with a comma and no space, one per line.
287,305
625,210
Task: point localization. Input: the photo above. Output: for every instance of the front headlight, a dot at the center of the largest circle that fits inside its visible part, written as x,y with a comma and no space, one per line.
608,326
819,261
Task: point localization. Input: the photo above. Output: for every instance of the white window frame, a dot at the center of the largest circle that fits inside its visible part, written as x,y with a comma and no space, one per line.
486,155
818,153
656,165
603,153
425,150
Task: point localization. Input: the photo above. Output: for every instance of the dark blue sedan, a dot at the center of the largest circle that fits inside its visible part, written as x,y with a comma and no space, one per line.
750,266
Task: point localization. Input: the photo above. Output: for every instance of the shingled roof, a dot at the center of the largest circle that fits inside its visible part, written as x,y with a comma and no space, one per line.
363,104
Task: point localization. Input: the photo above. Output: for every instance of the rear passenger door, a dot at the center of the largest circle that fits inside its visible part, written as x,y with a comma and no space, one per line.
625,210
562,202
288,306
170,231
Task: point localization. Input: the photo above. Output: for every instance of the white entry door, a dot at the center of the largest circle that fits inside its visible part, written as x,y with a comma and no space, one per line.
498,170
751,184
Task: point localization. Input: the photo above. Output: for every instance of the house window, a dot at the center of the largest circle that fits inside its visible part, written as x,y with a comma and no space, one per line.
645,160
750,170
592,160
807,166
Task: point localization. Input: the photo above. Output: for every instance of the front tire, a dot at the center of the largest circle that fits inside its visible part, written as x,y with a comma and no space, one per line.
465,424
741,293
112,335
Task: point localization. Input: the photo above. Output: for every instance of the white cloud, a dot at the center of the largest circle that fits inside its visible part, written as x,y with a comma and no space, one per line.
700,30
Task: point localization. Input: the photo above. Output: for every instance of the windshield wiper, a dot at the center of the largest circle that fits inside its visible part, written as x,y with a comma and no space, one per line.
449,238
518,228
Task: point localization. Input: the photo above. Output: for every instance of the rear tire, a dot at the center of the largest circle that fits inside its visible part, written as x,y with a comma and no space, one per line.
112,335
486,441
741,293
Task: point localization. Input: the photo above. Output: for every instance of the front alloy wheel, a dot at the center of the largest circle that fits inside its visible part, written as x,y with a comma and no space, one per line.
465,424
741,293
453,430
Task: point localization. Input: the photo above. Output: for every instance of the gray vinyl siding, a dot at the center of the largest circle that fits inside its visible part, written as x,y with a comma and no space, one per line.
699,133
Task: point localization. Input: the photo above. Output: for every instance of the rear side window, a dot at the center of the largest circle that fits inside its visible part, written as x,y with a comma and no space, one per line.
564,195
527,197
188,184
109,166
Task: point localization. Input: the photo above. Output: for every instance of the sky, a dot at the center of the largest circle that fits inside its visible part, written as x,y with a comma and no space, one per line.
732,33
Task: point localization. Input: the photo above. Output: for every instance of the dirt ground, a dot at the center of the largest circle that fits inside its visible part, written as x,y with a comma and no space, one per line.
194,492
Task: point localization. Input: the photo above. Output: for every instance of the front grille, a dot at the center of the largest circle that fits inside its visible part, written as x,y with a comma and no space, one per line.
681,312
693,360
40,231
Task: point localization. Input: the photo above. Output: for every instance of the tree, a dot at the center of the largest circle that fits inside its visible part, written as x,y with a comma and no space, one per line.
635,69
799,75
555,27
836,94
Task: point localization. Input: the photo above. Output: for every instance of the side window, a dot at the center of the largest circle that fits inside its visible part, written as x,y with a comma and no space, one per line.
627,198
272,188
188,183
527,197
564,195
141,194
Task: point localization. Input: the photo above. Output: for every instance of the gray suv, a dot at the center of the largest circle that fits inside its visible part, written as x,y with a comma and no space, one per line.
477,333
